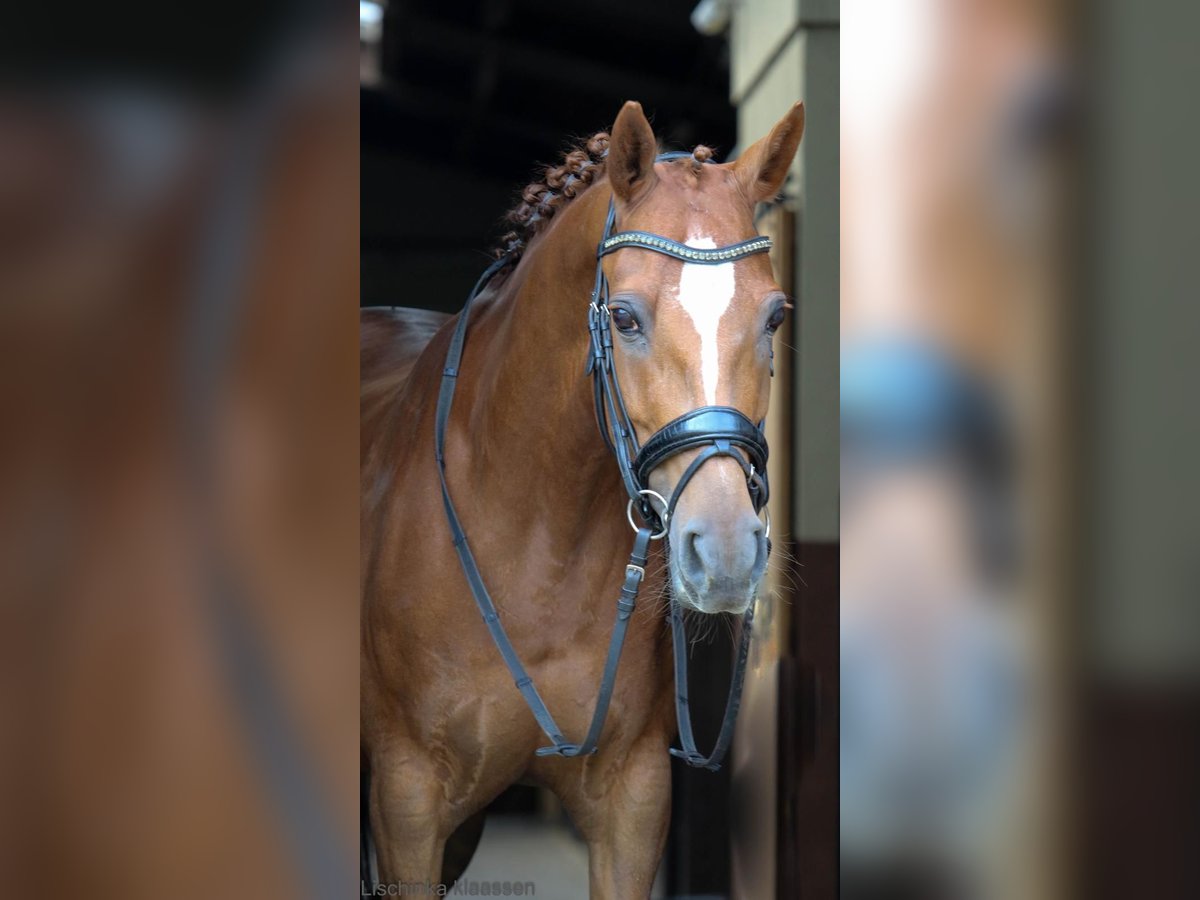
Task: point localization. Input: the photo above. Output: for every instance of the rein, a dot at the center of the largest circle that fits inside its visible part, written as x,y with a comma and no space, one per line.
719,430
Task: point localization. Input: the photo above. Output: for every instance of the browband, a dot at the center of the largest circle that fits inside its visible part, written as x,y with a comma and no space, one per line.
667,247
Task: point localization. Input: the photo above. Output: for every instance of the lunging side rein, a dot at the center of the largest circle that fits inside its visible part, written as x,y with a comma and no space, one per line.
718,430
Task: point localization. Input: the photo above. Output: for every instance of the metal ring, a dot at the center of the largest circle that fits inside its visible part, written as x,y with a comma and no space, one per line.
755,482
768,531
662,515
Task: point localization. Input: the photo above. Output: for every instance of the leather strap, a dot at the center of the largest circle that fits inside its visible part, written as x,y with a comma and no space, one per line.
688,752
635,572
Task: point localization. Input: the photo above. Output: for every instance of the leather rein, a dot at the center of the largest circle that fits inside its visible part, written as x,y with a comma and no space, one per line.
717,430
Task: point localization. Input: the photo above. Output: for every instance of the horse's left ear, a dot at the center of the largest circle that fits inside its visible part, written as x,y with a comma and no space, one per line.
763,166
631,152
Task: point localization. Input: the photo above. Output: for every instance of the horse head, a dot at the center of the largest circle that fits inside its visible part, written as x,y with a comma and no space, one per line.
692,335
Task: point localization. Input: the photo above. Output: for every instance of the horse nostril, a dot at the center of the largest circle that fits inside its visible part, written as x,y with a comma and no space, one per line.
753,547
693,561
760,547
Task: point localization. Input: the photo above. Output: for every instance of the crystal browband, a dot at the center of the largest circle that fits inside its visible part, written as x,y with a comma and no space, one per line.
682,251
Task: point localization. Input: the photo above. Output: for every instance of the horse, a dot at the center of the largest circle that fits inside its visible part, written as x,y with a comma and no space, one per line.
532,481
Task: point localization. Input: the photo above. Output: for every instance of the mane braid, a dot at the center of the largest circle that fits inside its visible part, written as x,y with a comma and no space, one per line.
559,185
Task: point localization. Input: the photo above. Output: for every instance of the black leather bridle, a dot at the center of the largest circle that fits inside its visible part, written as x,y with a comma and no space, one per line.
714,430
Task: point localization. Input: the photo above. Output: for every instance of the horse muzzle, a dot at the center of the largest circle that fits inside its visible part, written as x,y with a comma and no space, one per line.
718,545
717,562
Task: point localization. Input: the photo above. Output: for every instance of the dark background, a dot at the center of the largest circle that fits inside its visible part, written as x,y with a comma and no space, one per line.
476,95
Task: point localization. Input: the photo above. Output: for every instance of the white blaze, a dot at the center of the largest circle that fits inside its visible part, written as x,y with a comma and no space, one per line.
705,292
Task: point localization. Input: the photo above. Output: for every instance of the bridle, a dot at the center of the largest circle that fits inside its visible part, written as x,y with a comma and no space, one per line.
714,430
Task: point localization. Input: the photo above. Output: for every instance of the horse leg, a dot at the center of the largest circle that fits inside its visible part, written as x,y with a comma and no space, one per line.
408,818
460,847
626,826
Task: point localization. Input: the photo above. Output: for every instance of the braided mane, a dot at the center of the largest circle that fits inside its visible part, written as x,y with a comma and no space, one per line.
558,186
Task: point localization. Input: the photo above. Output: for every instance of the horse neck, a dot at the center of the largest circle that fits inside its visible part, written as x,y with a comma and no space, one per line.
538,446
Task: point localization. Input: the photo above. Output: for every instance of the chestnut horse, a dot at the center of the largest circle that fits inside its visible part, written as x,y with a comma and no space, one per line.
536,489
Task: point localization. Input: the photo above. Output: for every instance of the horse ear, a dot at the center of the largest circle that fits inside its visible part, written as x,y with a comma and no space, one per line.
763,167
631,152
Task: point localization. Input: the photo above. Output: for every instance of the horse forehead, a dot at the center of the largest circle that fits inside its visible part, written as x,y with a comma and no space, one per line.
696,211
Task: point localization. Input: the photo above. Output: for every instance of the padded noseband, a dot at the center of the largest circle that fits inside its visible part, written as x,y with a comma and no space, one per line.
722,426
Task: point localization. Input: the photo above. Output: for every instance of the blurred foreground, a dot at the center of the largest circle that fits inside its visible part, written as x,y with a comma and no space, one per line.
1019,602
178,528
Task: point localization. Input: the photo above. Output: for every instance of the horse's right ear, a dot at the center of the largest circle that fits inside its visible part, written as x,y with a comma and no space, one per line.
631,152
763,167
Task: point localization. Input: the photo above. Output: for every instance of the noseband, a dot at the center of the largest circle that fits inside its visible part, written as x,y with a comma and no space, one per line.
713,430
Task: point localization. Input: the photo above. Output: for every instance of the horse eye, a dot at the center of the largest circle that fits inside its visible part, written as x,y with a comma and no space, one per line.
776,319
624,320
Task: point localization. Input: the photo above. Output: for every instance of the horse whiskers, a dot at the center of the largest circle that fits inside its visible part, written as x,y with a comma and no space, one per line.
703,627
729,627
783,562
654,605
780,597
658,602
788,574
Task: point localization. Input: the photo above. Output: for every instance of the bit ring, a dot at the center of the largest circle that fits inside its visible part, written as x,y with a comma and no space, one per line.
662,516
